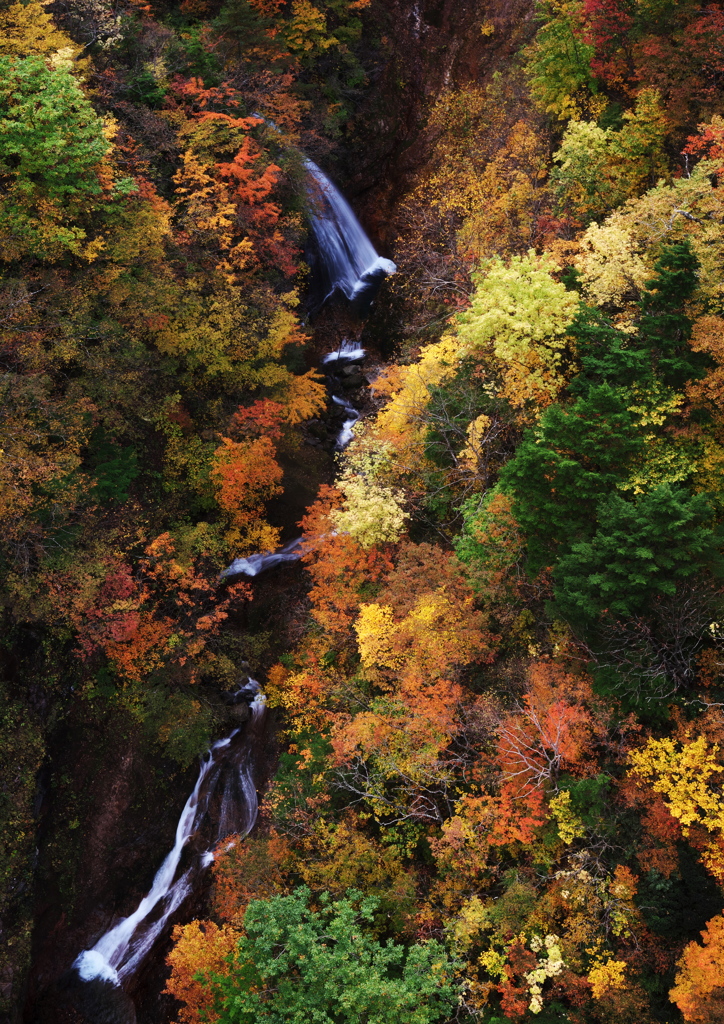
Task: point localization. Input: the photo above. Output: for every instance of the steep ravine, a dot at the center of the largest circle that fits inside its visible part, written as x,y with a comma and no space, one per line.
108,805
109,955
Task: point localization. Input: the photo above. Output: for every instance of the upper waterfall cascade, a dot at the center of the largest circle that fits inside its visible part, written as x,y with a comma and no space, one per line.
348,258
121,949
350,263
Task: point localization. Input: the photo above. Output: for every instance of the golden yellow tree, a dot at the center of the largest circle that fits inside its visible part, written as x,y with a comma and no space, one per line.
520,314
687,775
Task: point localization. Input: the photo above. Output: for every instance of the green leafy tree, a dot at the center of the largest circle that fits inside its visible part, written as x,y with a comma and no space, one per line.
295,965
660,347
45,114
115,467
51,146
607,355
643,548
665,328
599,168
559,61
566,466
243,27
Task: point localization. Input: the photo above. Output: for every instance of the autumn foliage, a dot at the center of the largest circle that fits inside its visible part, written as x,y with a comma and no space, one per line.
699,992
493,651
245,475
200,950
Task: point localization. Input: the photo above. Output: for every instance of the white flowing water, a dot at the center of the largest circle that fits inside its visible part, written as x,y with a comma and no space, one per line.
252,565
346,433
120,950
348,351
348,258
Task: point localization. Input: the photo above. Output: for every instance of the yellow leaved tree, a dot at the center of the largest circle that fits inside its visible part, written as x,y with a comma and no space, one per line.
372,512
401,424
520,315
28,30
688,775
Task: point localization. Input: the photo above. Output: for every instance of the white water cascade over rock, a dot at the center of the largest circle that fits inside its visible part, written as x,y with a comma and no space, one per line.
225,771
348,260
347,352
252,565
346,433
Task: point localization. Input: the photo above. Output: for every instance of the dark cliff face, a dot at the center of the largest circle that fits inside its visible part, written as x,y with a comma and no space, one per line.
108,809
428,46
126,824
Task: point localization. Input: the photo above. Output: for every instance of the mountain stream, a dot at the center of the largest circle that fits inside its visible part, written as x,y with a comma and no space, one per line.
347,263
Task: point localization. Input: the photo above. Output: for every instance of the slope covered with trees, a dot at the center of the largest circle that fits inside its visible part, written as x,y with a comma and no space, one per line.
498,676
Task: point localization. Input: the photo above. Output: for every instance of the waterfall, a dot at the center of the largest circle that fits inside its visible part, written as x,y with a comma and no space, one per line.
252,565
348,260
347,351
121,949
346,434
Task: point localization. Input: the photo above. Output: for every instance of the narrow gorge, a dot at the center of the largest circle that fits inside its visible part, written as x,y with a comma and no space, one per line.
224,794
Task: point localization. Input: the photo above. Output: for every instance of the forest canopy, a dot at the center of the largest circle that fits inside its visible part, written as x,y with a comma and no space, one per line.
494,663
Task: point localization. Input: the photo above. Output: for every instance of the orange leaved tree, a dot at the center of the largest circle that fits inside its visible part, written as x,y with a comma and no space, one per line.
699,988
246,474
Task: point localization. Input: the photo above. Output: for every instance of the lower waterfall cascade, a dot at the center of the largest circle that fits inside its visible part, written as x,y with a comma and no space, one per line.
120,951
